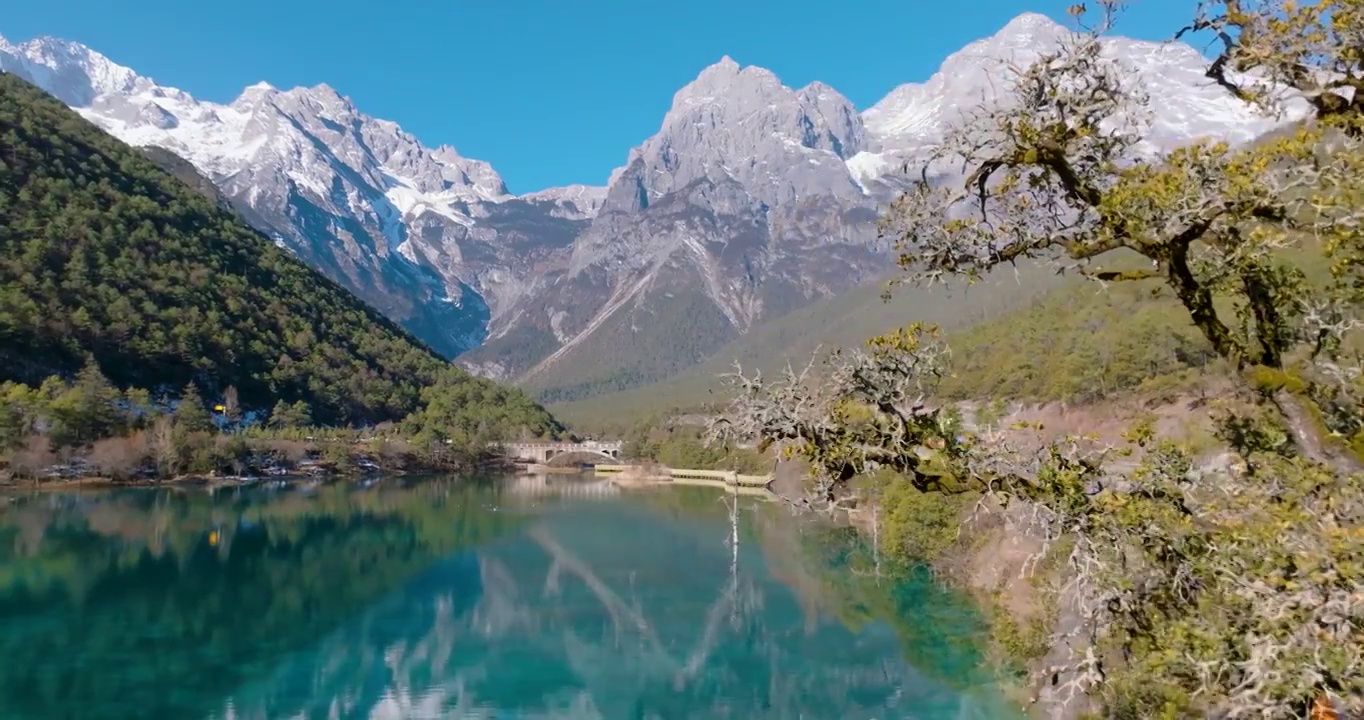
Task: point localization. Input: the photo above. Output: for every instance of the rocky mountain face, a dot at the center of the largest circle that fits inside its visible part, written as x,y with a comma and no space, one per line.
739,209
752,199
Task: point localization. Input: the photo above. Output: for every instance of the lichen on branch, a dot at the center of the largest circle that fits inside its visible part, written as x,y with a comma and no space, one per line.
1202,590
1060,172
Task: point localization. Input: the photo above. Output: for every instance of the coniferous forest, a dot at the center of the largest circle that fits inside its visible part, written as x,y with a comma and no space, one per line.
114,270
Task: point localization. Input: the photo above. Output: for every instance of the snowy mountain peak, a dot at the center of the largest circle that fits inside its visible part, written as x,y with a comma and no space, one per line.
253,94
1184,104
966,79
72,72
1029,34
306,134
726,64
741,126
576,192
324,93
1030,23
819,89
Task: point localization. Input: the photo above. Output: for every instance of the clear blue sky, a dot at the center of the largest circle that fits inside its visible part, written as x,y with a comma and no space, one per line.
550,93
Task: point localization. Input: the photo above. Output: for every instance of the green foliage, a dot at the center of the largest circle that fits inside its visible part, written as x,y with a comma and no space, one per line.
290,415
1257,431
1239,591
473,414
1021,643
913,525
684,447
1079,344
1270,380
694,453
85,411
190,414
124,436
862,412
336,454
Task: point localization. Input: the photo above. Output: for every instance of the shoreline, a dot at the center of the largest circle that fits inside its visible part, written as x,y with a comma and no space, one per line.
985,559
100,482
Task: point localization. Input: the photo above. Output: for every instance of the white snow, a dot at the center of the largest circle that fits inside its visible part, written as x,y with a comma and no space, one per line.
1184,104
412,203
867,166
256,131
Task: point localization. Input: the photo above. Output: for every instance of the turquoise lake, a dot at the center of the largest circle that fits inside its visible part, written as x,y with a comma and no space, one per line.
514,598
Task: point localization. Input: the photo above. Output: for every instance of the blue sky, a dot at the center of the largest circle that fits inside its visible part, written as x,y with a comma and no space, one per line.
550,93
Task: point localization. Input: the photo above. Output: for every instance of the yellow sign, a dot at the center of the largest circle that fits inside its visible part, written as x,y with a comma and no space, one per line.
220,408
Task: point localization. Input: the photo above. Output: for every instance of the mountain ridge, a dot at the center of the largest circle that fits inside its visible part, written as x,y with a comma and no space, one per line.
752,199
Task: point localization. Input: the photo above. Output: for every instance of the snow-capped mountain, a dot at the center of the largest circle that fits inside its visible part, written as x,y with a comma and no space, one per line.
752,199
1184,104
355,196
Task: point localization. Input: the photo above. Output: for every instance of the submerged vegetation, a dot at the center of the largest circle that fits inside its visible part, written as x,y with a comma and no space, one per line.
683,446
1226,589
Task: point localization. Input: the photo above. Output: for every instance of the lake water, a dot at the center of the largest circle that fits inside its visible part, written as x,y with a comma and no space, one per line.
451,599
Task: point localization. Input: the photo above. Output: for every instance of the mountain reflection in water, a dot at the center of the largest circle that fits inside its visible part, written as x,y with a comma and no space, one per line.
450,599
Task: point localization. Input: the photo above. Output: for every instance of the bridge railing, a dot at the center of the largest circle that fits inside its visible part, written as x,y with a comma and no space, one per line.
562,446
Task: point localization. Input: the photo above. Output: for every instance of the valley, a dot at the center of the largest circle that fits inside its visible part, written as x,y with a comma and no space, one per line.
752,201
1046,374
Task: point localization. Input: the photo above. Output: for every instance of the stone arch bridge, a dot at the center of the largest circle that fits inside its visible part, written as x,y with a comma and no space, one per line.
544,453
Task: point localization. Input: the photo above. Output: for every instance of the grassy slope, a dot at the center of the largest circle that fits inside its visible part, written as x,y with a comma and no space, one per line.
104,254
1037,338
636,347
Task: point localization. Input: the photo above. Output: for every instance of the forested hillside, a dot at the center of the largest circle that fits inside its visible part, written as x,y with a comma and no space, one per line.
105,255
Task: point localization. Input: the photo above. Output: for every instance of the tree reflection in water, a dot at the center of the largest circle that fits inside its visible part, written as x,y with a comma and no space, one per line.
450,600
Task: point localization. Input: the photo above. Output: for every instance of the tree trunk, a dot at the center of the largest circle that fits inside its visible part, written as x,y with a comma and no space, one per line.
1310,435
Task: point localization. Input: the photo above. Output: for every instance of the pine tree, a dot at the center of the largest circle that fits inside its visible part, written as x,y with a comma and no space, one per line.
279,415
190,414
286,416
302,414
87,410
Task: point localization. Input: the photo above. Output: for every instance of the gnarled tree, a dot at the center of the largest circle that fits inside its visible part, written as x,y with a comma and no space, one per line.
1204,592
859,412
1060,173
